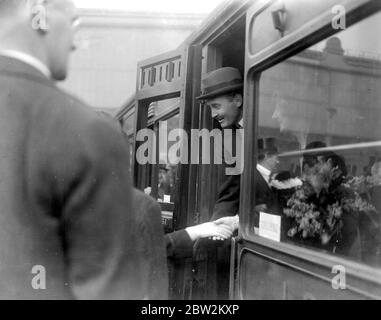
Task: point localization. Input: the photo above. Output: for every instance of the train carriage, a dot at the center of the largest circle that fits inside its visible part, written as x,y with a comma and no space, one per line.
311,83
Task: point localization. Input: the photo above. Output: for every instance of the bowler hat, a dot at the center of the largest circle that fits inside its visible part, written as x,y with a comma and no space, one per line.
220,81
267,145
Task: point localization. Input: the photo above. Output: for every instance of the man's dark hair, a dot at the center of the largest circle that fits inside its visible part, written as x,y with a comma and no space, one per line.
337,161
266,147
311,158
316,145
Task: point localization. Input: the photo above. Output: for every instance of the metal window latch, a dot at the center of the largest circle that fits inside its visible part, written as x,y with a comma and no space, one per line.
280,17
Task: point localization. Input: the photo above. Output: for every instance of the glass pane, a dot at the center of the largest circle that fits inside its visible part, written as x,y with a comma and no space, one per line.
131,141
159,108
128,128
167,171
128,122
319,147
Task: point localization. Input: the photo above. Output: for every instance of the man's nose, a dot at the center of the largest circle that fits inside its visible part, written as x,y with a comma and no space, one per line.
214,113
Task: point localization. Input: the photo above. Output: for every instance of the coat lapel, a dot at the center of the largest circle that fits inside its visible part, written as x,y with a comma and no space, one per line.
19,69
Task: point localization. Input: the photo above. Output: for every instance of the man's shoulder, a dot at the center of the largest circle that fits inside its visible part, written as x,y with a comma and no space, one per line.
44,103
145,201
66,104
78,130
73,116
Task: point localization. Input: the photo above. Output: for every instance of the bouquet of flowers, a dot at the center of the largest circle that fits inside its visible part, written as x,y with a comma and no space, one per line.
363,184
320,214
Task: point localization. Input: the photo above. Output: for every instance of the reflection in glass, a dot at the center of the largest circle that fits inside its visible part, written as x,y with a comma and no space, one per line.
323,109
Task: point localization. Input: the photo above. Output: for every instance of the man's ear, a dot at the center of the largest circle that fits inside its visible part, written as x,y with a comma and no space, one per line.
238,100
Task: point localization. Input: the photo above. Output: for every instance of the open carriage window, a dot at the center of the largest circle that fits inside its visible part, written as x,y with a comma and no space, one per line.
159,175
163,119
167,167
319,147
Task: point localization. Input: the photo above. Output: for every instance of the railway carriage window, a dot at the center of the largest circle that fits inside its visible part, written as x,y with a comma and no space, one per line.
167,170
162,106
160,173
128,128
162,122
321,111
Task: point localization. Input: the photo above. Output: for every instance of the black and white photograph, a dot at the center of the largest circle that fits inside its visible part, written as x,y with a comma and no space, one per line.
209,152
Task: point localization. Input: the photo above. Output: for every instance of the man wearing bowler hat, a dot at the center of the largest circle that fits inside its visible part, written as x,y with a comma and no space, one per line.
222,91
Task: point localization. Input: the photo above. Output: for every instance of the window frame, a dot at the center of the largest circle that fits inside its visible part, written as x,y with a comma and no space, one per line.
293,44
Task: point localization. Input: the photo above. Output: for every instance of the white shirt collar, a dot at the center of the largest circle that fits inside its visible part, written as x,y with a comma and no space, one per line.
266,173
241,123
28,59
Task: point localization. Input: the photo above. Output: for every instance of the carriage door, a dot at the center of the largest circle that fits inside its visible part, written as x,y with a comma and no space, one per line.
225,48
313,91
164,102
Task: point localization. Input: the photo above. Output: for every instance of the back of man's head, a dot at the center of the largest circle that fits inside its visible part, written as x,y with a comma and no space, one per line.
15,17
43,29
8,8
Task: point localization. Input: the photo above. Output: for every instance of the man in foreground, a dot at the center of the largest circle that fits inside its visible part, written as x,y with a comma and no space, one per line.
68,227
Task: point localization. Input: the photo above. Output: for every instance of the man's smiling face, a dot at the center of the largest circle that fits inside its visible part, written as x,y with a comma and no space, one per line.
227,109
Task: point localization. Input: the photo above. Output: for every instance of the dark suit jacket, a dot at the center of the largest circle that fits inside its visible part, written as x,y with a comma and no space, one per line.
65,194
229,194
265,195
227,203
154,255
179,245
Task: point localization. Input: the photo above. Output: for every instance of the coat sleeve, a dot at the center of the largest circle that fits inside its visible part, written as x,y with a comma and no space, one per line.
152,237
227,203
99,225
179,245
